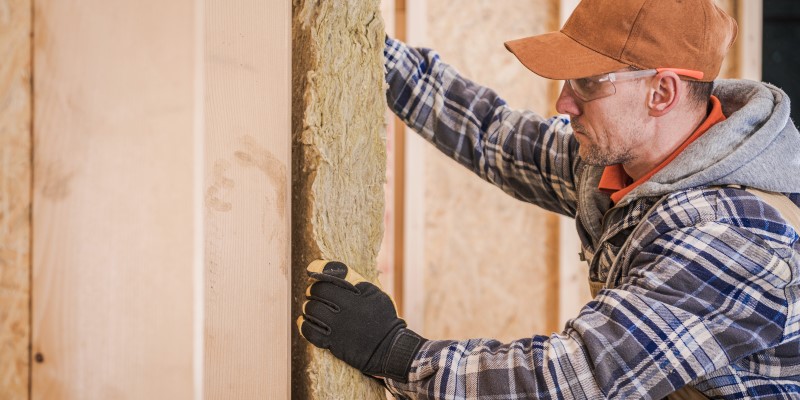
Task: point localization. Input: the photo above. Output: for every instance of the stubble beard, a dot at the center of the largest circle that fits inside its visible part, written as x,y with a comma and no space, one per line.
592,154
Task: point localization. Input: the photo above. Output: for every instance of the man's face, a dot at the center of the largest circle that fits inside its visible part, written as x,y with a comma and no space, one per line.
610,130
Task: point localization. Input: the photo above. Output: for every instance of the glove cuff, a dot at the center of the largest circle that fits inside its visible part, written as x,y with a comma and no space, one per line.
405,345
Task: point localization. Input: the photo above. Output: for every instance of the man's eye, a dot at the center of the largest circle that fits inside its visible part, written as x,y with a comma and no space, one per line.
586,83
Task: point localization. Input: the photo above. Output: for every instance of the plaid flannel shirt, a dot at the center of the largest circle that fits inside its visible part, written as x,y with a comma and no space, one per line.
704,293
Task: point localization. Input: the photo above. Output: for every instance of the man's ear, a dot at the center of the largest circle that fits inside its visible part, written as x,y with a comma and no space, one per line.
665,91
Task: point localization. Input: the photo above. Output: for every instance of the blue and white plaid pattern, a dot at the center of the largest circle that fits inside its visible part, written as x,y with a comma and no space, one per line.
705,293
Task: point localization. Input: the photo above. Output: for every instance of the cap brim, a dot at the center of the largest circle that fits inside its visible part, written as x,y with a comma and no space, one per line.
555,55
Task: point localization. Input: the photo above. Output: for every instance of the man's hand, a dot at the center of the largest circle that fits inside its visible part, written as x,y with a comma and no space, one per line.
357,322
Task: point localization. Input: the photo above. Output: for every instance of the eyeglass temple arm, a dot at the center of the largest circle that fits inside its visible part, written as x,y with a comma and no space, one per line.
685,72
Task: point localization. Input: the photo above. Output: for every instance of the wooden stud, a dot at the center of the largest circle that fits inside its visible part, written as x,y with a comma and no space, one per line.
247,199
413,298
399,131
750,14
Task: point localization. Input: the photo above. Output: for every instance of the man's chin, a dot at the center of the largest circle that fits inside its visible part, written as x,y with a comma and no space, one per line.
594,163
593,159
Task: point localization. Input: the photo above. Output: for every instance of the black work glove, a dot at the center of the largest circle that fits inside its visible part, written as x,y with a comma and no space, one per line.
357,322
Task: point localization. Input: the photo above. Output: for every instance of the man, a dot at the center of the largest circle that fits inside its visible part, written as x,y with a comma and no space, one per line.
695,271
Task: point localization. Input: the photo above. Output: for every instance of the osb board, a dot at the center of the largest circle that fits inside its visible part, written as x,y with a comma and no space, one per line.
247,203
490,261
15,199
114,200
338,166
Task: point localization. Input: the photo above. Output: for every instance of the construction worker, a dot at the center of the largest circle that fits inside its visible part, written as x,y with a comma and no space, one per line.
684,190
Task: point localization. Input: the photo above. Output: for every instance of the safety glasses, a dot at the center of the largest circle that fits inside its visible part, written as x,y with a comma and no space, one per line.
599,86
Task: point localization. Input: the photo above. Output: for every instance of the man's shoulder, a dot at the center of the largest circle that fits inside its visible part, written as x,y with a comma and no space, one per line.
731,206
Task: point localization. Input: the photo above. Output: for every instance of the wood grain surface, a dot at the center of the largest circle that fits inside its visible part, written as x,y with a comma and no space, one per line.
114,249
247,199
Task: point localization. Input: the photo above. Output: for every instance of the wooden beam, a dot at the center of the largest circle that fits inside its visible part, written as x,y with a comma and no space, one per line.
750,15
15,198
247,199
414,32
399,131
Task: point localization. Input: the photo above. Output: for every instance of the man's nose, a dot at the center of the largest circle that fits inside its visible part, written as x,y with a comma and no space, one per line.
567,103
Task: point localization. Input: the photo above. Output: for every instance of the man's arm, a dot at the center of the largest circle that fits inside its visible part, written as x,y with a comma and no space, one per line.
697,299
532,159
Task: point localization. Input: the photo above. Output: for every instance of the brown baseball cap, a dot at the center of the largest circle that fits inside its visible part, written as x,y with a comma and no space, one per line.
603,36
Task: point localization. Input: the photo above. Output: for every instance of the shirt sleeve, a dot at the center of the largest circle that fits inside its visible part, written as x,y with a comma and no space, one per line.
528,157
696,300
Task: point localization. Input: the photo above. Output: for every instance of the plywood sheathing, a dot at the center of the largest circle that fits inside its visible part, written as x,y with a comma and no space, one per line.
491,266
338,166
15,199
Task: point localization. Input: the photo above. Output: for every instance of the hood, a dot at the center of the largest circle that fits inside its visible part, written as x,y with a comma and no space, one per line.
756,146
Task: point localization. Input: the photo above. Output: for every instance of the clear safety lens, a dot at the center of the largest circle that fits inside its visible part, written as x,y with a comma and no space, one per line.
597,87
592,88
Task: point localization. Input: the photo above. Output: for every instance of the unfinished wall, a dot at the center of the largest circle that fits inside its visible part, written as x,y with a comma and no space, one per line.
15,199
338,166
490,262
